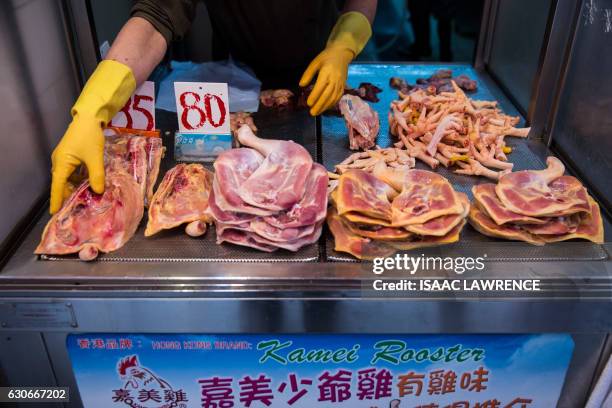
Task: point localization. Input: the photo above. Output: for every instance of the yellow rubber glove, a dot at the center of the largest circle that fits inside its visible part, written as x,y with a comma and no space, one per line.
107,90
347,39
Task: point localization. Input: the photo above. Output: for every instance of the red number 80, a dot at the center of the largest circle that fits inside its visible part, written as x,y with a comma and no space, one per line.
201,114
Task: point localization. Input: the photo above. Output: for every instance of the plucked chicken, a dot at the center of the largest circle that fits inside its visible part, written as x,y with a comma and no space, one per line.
182,197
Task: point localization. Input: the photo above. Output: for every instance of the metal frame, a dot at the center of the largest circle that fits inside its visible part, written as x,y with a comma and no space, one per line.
80,25
552,61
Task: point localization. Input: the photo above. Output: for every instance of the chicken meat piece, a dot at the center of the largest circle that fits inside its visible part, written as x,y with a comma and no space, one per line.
279,181
361,192
424,241
275,234
182,198
377,232
366,91
226,217
243,235
590,227
441,226
139,155
486,198
361,121
232,168
358,246
311,209
543,193
486,226
90,223
424,195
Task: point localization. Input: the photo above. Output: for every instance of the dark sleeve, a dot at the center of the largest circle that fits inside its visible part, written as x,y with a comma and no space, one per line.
172,18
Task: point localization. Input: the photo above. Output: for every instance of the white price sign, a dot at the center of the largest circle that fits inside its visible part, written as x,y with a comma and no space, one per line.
139,111
202,107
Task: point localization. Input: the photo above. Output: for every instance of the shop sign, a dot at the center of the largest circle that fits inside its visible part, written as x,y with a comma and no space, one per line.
310,371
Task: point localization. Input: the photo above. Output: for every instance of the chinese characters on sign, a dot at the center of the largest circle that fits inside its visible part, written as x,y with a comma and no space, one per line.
335,387
319,371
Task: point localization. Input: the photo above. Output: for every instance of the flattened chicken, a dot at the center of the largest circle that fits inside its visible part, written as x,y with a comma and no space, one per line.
369,219
268,195
424,195
361,192
182,197
486,226
543,193
89,223
486,198
280,180
537,206
442,225
358,246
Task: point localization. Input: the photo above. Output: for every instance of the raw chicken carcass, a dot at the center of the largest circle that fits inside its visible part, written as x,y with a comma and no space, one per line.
271,202
543,193
279,182
242,234
232,168
123,148
89,223
424,195
377,232
424,241
182,197
361,192
590,227
486,198
361,121
486,226
347,241
442,225
226,217
311,208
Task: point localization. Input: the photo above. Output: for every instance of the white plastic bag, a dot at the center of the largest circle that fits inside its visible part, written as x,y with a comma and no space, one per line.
244,87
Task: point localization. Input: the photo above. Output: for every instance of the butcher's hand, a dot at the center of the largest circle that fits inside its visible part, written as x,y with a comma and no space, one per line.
347,39
106,91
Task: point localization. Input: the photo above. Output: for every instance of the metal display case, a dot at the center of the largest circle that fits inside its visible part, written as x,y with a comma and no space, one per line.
174,284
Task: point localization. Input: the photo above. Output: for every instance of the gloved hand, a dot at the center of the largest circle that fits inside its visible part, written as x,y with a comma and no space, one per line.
347,39
106,91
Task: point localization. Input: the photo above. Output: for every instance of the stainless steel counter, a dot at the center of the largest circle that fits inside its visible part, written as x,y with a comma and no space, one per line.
239,289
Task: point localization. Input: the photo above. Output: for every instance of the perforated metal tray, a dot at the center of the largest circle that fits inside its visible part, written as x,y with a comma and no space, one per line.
526,154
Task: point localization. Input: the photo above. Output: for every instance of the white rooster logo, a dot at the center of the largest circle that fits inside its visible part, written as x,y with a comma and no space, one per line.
138,377
144,389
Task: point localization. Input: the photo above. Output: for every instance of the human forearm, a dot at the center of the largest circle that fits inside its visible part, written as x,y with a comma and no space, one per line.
139,46
365,7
